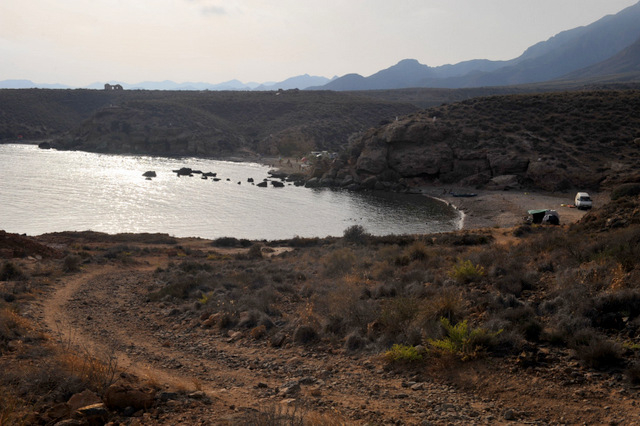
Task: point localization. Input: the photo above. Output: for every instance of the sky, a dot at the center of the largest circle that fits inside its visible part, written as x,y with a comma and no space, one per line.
79,42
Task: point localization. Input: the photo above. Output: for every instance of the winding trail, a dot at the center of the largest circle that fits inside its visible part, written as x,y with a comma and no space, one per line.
105,311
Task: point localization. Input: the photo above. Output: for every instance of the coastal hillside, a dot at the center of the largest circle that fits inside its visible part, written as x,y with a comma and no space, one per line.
191,123
552,141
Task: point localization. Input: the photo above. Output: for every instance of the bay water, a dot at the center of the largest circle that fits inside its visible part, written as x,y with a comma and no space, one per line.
47,191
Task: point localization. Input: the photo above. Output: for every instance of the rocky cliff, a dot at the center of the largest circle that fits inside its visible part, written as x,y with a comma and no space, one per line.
548,141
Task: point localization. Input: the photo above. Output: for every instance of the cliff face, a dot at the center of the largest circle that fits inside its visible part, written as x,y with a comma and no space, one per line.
551,142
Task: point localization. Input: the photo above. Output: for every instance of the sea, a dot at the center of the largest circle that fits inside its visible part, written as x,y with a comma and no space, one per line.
44,191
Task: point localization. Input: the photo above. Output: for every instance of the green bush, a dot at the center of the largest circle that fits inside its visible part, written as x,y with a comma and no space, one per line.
402,354
462,341
465,271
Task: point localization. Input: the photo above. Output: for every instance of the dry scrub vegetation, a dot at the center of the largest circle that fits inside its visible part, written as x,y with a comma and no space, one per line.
561,301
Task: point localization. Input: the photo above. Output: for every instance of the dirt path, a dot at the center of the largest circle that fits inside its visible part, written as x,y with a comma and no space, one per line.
106,311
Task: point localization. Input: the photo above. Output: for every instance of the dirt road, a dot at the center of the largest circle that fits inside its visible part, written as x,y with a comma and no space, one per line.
106,311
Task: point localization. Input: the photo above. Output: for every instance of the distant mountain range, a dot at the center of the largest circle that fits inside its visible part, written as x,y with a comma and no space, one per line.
606,50
298,82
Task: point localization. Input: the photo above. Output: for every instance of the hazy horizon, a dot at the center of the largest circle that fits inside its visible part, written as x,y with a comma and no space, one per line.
77,43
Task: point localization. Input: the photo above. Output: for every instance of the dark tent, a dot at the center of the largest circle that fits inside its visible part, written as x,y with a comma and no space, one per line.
551,217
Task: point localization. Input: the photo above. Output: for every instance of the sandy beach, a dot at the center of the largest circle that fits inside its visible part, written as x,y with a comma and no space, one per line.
504,209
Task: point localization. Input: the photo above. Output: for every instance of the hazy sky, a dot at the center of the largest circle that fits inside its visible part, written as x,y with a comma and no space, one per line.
78,42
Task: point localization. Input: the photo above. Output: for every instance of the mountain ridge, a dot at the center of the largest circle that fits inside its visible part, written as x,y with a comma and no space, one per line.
562,54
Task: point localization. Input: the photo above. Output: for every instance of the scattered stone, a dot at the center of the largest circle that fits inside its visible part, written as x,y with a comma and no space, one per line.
58,411
417,387
197,395
289,389
92,413
120,396
509,415
83,399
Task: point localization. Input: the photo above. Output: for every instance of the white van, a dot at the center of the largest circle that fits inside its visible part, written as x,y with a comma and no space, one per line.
583,201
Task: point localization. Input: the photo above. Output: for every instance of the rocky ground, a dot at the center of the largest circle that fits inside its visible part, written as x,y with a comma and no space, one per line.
106,310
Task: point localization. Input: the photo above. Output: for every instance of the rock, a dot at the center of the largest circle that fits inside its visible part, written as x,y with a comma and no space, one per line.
263,184
411,159
373,159
250,180
58,411
509,163
370,182
348,180
183,171
417,387
44,145
197,395
211,320
278,340
71,422
509,415
312,183
92,413
120,396
83,399
167,396
503,183
277,184
149,174
289,389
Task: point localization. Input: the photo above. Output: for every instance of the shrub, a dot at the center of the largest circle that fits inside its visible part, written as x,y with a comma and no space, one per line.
255,251
230,242
445,303
397,315
304,334
633,374
353,342
71,263
461,341
465,271
626,190
417,251
355,234
596,351
11,272
402,354
339,262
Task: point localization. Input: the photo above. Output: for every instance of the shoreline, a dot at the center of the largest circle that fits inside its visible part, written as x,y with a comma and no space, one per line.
506,209
489,209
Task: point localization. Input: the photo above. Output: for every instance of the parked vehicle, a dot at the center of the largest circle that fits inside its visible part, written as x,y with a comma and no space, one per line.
583,201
